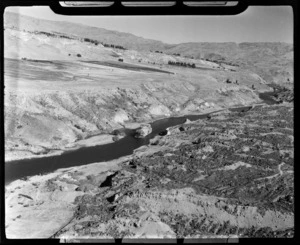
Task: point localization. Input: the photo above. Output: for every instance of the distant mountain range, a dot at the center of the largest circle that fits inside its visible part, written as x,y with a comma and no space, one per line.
131,41
127,40
268,59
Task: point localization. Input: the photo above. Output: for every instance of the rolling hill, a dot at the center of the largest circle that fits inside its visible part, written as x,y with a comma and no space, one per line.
272,61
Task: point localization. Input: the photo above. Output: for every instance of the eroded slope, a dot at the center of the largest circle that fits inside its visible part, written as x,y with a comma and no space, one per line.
52,105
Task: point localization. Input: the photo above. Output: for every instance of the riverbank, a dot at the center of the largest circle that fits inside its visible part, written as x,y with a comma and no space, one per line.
99,153
96,140
42,118
89,150
162,190
40,205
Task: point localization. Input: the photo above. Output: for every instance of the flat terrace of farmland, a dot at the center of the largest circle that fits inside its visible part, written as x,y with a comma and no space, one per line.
127,66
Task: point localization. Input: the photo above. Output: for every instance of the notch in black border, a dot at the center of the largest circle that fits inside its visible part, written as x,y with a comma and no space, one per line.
179,8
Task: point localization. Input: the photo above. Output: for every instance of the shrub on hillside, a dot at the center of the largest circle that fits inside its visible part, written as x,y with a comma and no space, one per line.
182,64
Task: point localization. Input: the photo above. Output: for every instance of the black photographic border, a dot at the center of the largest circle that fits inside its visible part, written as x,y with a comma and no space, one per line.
118,9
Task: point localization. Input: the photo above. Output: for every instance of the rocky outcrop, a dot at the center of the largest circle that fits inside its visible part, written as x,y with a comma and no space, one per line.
143,131
283,94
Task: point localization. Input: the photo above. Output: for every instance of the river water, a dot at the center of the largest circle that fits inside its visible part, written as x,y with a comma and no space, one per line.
28,167
267,98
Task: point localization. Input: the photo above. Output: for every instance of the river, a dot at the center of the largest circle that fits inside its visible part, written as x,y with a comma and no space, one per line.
28,167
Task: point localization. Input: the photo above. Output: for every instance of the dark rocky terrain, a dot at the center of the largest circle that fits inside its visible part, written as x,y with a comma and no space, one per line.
228,175
283,94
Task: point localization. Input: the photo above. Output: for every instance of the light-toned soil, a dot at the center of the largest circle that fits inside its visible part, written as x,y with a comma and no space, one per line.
14,154
40,206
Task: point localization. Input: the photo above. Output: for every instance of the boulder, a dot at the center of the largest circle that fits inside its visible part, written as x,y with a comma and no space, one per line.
163,133
187,121
116,138
181,128
155,140
119,132
143,131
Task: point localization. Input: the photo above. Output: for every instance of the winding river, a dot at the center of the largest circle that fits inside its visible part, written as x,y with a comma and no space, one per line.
28,167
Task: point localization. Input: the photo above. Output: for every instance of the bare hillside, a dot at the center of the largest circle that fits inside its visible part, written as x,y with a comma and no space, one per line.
272,61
